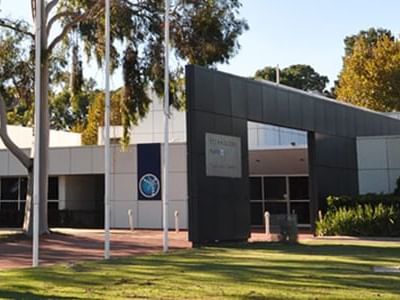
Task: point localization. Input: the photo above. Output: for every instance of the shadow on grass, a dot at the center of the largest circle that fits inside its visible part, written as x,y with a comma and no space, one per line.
262,265
27,295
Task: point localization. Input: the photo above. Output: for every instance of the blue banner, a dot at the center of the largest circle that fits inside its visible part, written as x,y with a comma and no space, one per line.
149,171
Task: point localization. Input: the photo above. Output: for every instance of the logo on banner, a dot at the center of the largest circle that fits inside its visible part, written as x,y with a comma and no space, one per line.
149,185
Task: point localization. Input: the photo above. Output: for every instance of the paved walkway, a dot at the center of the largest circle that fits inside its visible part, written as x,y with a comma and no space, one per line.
69,245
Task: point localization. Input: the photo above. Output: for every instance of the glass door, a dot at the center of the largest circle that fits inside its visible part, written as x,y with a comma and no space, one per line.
279,195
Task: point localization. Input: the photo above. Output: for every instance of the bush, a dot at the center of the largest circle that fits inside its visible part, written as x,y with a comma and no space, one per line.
367,215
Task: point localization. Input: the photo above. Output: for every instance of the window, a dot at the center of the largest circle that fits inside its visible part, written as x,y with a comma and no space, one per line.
275,188
14,189
279,195
255,188
9,188
53,188
23,185
298,187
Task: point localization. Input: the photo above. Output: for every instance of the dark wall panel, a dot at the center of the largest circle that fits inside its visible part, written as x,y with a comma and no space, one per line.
221,103
333,168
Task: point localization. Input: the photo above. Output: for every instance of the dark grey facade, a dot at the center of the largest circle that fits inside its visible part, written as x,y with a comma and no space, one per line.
221,103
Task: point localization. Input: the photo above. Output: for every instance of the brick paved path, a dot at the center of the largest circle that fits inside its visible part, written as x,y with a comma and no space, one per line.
69,245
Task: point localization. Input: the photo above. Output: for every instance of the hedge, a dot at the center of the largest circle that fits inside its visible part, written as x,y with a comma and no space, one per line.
366,215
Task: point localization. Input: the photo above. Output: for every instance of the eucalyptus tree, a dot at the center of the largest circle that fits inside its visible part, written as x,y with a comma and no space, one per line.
202,32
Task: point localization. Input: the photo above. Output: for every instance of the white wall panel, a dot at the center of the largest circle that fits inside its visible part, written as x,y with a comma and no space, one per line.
177,186
15,168
98,160
124,160
81,160
372,153
3,162
373,181
120,216
393,149
59,161
178,158
150,214
181,207
394,174
125,186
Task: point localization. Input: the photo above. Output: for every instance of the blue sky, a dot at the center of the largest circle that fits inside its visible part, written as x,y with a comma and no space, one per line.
289,32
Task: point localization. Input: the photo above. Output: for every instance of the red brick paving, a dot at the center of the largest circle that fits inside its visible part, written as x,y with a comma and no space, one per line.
71,245
76,245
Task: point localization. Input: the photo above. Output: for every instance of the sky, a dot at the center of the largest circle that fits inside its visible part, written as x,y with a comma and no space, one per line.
286,32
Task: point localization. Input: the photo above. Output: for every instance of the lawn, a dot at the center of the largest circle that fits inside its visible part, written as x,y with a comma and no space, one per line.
312,270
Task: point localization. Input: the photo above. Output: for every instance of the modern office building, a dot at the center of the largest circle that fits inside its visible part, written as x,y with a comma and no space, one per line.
278,170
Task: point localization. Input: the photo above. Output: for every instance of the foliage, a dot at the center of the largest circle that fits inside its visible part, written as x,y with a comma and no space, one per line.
362,220
311,270
335,202
365,215
371,36
95,117
302,77
202,32
371,75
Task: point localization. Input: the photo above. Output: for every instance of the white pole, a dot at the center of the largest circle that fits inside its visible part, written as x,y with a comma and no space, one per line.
36,161
176,221
278,75
166,131
107,152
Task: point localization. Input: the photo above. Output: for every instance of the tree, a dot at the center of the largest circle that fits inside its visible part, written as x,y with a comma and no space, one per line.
371,37
95,117
203,32
371,75
302,77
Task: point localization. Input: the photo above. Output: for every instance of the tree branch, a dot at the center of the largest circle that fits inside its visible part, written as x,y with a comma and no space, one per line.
57,17
50,6
13,148
80,18
5,23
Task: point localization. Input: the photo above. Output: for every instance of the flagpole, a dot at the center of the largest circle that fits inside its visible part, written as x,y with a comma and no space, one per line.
166,130
107,152
36,161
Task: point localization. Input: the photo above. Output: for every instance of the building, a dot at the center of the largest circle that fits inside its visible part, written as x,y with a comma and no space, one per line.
278,164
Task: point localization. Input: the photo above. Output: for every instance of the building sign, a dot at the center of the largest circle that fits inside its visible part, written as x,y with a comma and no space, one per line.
223,156
149,171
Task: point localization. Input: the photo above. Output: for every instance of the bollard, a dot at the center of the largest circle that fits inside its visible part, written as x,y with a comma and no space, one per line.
176,221
320,216
267,223
130,216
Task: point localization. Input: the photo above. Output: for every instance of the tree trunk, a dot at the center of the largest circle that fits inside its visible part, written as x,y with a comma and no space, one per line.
28,218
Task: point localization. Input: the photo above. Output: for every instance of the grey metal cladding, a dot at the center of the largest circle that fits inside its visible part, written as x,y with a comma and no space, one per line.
340,119
307,112
270,104
201,122
222,94
295,111
330,110
282,113
254,102
203,97
238,94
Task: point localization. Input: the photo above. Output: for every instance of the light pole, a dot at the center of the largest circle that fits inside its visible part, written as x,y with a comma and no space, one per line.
36,161
166,129
107,150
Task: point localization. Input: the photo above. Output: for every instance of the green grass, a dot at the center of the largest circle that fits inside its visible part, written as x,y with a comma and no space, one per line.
315,270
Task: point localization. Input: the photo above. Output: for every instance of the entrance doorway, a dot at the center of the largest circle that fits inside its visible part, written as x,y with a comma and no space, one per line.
283,194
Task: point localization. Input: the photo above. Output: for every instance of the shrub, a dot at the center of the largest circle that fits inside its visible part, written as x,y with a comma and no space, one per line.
367,215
